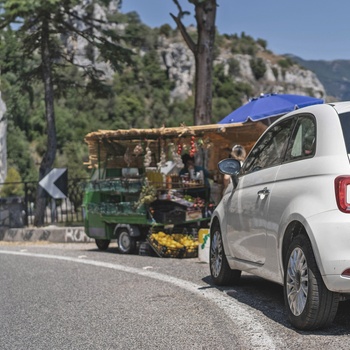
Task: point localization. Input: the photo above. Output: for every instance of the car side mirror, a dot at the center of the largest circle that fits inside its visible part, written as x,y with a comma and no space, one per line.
230,167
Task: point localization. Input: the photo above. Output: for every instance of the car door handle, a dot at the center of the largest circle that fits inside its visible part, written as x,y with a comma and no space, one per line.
263,193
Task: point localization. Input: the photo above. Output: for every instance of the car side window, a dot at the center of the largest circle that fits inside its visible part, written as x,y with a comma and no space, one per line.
270,149
303,142
345,124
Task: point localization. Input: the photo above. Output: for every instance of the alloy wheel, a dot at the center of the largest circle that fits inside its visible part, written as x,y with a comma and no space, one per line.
297,281
216,254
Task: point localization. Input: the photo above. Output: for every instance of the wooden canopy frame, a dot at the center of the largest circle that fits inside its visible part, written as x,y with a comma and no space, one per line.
109,146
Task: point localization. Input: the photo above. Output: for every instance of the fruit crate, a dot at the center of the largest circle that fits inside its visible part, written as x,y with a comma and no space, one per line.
168,244
168,212
165,251
190,253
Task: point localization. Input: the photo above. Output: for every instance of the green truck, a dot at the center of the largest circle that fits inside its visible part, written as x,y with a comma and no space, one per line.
135,188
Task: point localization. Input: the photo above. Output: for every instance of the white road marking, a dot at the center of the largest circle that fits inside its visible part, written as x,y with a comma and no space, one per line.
251,330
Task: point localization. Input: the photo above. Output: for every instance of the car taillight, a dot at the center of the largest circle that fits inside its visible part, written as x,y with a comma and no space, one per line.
346,273
342,193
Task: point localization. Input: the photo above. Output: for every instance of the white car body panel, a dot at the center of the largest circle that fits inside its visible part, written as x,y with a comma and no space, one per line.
253,226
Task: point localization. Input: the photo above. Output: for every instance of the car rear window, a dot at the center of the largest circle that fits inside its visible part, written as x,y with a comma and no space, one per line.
345,124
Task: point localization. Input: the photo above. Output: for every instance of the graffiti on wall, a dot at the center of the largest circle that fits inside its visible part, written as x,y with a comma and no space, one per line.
77,235
64,235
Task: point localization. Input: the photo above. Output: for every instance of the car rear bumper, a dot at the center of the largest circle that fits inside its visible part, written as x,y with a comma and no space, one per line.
337,283
330,237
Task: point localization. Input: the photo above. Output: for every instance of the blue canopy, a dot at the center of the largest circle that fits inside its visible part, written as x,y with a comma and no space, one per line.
267,106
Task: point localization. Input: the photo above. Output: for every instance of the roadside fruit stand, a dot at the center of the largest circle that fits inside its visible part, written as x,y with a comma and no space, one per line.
135,194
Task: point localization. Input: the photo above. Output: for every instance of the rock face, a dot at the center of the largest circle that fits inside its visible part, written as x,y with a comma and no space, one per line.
3,147
177,59
334,75
291,80
179,63
78,48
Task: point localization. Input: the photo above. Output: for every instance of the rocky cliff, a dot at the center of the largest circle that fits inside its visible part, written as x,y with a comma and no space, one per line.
334,75
178,60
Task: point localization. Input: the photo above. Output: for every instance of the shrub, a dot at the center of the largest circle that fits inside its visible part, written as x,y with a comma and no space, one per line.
13,184
285,63
262,43
258,67
234,68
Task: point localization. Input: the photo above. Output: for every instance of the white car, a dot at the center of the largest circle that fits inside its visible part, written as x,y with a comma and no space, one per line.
286,214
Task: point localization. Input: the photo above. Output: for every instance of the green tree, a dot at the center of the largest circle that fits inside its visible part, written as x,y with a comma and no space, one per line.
13,185
19,152
203,51
258,67
40,26
227,93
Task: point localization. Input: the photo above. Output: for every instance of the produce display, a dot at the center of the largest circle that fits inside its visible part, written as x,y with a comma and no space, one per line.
148,195
174,245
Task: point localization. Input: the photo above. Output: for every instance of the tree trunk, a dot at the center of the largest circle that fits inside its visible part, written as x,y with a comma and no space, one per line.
205,17
49,156
203,51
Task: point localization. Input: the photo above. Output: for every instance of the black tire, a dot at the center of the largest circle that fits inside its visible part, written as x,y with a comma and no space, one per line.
310,305
102,244
220,271
126,243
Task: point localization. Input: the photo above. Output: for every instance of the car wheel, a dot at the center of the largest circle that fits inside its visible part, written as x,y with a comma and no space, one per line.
221,272
126,243
310,305
102,244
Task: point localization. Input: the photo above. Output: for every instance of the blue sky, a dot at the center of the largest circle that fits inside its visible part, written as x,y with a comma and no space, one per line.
310,29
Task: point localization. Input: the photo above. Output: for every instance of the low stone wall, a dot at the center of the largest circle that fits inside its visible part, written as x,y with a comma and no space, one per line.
49,233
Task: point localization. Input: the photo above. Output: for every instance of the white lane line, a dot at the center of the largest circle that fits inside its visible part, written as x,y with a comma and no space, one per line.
252,331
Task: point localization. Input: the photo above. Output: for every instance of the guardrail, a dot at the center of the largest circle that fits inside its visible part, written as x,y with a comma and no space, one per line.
19,211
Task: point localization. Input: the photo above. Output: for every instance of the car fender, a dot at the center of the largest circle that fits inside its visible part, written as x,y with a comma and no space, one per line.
292,217
306,202
219,215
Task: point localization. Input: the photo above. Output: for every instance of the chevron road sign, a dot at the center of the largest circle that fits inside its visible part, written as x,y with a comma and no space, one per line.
55,183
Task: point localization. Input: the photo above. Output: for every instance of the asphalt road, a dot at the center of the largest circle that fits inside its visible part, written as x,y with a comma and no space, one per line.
72,296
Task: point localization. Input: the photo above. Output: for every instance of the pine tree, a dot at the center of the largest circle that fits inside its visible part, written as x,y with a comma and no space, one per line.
40,27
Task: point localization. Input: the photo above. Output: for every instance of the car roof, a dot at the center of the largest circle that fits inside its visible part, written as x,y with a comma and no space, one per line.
337,107
341,107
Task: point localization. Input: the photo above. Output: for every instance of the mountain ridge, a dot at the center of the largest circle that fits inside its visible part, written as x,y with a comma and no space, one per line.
334,75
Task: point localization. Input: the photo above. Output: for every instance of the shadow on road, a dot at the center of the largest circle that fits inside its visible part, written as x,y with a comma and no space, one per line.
267,297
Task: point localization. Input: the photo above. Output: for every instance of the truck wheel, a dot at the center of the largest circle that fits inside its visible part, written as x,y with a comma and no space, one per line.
126,243
102,244
310,305
220,270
